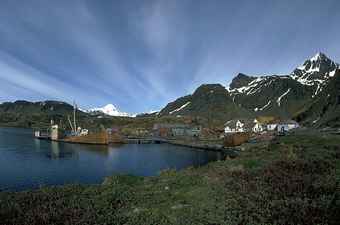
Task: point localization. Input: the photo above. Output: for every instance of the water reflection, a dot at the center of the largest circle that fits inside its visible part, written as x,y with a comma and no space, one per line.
37,144
55,151
26,162
102,150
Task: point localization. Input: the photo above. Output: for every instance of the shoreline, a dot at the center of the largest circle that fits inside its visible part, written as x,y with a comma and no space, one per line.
227,191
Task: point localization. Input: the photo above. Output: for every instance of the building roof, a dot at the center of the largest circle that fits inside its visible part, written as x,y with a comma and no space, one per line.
248,123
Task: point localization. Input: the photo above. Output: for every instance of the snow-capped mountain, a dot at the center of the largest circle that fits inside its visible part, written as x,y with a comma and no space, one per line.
284,94
277,95
315,70
109,110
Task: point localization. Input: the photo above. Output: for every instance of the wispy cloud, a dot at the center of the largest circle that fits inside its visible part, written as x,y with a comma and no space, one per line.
142,54
26,77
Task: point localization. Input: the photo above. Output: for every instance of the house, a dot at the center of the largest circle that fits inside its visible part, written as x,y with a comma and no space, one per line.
168,130
179,129
195,131
238,126
265,123
141,132
186,130
160,130
286,125
176,130
282,125
258,127
233,126
272,126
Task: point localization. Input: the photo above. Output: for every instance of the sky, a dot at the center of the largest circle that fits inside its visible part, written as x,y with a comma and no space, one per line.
140,55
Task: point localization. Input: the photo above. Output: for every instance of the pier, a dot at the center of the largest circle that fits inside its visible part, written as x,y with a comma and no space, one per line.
133,140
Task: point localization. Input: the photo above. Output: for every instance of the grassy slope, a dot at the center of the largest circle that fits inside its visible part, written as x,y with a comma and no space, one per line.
293,181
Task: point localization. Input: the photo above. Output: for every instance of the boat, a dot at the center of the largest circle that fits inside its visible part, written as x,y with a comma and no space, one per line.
39,134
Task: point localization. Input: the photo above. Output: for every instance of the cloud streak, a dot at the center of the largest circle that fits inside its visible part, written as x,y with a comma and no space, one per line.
139,55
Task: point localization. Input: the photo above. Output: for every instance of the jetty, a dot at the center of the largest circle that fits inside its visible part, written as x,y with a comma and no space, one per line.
146,140
197,144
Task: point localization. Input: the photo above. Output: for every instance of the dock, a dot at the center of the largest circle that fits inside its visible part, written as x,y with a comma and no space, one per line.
204,146
136,140
105,138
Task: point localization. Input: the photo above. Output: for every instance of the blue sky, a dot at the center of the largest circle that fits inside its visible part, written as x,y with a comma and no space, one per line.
139,55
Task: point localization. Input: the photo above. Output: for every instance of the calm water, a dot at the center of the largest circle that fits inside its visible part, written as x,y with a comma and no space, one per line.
27,163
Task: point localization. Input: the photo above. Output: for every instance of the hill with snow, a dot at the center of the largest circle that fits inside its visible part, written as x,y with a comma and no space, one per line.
247,96
109,110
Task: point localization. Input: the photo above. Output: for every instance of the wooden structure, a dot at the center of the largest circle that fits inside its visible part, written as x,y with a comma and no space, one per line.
236,139
101,138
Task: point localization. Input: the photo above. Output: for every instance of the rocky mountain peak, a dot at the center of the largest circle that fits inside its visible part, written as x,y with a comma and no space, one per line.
240,80
319,56
208,88
318,63
316,69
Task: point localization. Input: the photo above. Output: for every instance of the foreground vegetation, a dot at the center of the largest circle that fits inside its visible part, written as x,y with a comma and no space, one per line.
293,180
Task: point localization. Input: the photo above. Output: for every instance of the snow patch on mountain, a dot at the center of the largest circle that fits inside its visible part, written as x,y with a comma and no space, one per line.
180,108
154,111
257,84
279,98
332,73
263,107
249,89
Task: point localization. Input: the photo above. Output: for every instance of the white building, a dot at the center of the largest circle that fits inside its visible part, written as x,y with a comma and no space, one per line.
287,125
234,126
239,126
271,126
258,127
282,126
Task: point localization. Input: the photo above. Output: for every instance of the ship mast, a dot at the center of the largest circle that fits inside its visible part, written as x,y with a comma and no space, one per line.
69,120
74,116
